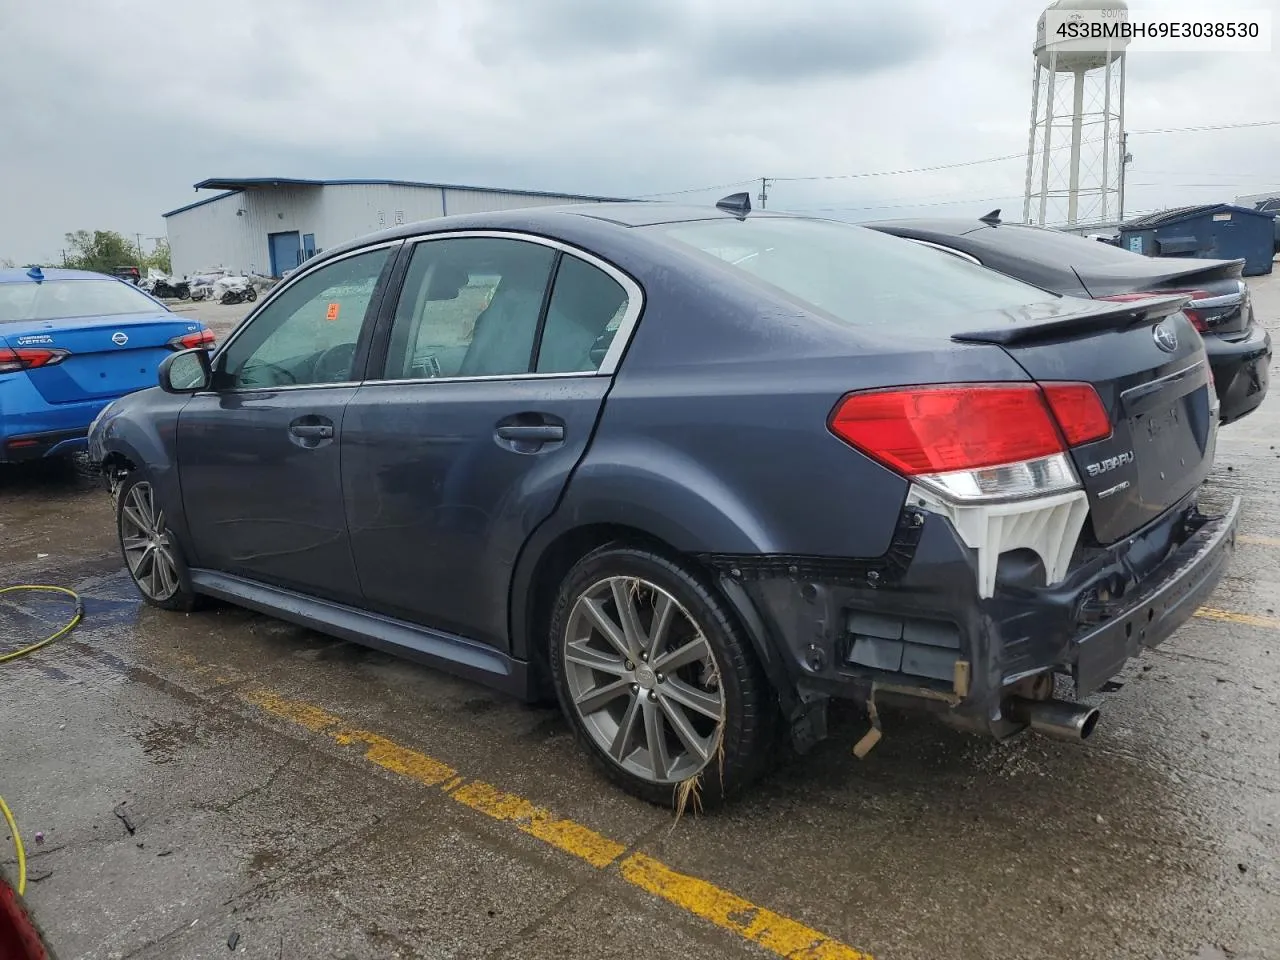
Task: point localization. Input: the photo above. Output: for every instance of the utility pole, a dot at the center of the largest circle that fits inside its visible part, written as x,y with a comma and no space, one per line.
138,237
764,191
1125,159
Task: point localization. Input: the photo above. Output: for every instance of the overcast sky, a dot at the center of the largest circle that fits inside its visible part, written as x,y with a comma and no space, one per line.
112,110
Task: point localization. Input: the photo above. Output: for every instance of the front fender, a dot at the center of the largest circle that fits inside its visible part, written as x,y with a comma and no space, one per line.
146,440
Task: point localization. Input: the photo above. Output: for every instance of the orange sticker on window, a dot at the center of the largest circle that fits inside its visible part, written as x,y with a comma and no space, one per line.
332,313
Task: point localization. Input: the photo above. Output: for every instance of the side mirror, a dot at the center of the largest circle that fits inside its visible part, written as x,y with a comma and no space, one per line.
186,371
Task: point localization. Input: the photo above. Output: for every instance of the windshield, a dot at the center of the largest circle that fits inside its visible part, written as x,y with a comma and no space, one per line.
55,299
855,274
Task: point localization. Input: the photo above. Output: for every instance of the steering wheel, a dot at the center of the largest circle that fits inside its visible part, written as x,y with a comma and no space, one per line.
274,368
334,364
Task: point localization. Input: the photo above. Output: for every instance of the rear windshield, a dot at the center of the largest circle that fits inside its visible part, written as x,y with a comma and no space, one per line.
54,299
1052,246
854,274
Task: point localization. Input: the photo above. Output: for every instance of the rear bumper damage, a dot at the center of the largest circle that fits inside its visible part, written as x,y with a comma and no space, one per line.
911,626
1160,604
1241,371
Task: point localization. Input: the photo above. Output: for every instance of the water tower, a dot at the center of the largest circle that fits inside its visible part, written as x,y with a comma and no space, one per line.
1075,157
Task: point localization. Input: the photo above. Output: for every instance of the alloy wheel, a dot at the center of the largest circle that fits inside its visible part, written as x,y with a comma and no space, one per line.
147,548
643,679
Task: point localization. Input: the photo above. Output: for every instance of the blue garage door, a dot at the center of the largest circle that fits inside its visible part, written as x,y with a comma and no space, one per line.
286,251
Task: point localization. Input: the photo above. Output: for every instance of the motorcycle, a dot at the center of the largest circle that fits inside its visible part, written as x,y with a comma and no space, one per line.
168,288
231,290
201,283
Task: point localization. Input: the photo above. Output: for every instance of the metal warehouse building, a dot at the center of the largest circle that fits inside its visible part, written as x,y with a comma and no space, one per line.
268,225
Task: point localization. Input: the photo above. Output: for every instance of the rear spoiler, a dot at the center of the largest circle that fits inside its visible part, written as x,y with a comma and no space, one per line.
1157,271
1093,318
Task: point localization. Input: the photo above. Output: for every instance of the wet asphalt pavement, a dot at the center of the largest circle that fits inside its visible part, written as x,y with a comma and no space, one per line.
221,784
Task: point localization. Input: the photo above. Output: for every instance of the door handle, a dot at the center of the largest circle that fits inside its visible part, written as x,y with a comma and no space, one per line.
312,431
532,433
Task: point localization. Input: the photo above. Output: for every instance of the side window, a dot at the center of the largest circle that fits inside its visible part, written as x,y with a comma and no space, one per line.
469,308
582,319
308,334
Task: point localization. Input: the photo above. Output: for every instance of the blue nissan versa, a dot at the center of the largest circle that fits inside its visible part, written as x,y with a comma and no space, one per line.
695,471
70,342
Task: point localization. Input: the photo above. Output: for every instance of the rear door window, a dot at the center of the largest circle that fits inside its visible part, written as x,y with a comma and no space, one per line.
853,274
469,308
582,319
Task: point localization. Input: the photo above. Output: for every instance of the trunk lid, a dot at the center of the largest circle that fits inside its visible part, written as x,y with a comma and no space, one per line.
1221,303
1148,365
107,356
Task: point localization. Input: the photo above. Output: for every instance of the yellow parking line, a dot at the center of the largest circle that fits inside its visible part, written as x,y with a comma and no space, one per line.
776,933
1259,541
1210,613
566,835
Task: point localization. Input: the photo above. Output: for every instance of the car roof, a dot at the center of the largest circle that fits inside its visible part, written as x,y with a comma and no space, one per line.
23,275
640,213
549,219
945,226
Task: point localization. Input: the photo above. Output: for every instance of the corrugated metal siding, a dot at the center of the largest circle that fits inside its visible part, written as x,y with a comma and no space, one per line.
232,232
482,201
353,210
207,236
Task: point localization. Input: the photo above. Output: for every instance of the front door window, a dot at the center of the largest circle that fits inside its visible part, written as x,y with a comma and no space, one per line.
309,333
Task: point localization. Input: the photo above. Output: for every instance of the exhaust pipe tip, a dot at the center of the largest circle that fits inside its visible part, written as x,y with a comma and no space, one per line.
1057,719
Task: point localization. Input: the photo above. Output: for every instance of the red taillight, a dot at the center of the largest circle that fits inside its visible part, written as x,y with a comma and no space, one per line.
1194,315
928,430
934,430
1079,412
189,341
29,358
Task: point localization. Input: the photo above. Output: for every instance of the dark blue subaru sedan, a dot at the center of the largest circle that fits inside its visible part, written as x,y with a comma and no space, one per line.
693,472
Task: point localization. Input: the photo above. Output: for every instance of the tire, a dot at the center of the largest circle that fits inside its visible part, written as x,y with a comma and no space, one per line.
251,294
710,669
136,509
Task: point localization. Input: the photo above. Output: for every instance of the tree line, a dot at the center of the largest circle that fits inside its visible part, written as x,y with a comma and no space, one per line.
104,250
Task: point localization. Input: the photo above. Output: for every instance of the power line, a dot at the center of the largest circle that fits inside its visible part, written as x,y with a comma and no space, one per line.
1022,155
894,173
902,206
958,165
903,203
714,186
1216,126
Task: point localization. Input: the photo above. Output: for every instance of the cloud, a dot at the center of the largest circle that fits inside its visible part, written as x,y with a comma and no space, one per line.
714,43
110,119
